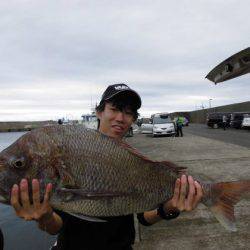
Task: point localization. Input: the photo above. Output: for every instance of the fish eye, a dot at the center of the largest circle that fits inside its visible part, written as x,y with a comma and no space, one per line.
19,163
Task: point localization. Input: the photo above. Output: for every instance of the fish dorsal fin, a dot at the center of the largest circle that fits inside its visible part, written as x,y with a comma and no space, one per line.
134,151
175,168
169,165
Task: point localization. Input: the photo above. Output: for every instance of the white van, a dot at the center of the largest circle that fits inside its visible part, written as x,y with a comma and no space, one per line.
163,124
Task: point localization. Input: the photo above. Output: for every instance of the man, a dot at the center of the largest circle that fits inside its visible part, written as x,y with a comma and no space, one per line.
224,122
179,124
116,113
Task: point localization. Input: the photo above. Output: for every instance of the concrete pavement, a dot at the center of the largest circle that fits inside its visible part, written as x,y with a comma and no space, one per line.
208,160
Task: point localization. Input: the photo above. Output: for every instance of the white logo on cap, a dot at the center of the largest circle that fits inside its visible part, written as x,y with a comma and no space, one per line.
120,87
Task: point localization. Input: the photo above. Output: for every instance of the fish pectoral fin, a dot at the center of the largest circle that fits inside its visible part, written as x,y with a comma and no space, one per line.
85,217
93,195
66,177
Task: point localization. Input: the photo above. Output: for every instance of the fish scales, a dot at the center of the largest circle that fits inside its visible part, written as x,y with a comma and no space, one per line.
115,170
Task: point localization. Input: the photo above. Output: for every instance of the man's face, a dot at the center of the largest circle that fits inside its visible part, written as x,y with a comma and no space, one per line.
113,122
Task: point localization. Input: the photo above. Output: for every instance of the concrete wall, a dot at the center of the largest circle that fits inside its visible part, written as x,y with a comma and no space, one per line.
200,116
185,114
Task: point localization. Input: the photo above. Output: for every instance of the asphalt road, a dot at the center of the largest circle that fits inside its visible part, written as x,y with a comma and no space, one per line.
239,137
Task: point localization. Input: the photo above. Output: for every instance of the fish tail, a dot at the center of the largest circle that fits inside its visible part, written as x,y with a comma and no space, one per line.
221,198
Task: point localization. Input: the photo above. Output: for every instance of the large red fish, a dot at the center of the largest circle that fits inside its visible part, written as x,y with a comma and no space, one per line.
94,175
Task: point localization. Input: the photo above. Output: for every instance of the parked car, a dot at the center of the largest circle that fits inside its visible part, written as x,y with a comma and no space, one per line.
237,118
214,120
163,124
246,121
147,128
145,124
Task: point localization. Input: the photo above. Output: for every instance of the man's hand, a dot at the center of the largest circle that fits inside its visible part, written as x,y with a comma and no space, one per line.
38,210
187,194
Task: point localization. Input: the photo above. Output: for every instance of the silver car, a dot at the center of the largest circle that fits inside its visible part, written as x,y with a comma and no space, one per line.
163,125
146,128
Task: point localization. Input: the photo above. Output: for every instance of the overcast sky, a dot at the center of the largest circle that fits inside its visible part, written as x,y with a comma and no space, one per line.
57,57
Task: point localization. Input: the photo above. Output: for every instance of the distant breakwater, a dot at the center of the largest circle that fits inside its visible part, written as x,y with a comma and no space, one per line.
16,126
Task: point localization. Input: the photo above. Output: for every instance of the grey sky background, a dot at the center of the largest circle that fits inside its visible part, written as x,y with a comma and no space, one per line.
57,57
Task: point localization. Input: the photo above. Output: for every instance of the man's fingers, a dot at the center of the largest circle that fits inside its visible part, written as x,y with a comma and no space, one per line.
14,200
36,193
47,192
183,190
24,194
191,194
199,190
176,194
177,187
199,193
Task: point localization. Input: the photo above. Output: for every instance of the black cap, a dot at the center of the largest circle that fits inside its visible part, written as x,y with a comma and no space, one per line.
121,88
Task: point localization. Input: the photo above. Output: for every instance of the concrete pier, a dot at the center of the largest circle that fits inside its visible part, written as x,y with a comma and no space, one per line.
207,160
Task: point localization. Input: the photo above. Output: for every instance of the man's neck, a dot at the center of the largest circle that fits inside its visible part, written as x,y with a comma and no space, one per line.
114,137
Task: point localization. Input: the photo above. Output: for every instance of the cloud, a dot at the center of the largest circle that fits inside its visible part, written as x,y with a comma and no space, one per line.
59,56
